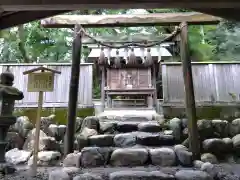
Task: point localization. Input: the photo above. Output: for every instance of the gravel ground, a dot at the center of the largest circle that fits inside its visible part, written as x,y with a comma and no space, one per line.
23,174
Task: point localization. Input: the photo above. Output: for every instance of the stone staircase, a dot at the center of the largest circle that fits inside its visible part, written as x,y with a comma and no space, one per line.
129,148
136,150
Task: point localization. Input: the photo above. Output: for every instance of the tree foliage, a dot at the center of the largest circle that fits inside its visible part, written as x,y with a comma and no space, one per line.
31,43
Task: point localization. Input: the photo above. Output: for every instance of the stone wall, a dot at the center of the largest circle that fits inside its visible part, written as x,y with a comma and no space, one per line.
205,112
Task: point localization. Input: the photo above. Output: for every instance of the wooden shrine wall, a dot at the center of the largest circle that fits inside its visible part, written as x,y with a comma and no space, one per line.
120,78
59,97
213,82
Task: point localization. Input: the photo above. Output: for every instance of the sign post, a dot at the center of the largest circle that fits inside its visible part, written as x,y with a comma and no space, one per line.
40,80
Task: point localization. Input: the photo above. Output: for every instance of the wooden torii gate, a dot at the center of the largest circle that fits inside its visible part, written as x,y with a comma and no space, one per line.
90,21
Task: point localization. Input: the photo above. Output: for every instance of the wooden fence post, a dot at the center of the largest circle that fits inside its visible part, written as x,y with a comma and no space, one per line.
189,93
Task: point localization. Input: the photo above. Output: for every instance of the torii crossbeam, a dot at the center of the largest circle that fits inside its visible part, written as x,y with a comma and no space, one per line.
126,20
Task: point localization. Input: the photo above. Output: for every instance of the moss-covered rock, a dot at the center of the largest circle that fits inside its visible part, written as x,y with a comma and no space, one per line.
61,113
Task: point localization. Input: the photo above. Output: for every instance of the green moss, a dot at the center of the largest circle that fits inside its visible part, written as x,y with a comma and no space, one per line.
205,112
61,113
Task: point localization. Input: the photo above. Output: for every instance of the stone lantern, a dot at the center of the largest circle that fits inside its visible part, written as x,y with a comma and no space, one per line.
8,95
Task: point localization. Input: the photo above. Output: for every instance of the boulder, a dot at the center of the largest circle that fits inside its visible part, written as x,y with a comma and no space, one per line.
88,176
221,127
230,159
234,127
108,127
219,173
236,144
14,141
197,164
149,127
5,169
22,126
87,132
205,129
215,146
125,127
71,171
207,166
129,157
91,122
143,175
101,140
148,139
58,175
57,131
229,145
167,132
95,156
30,141
208,157
16,156
46,122
166,139
210,169
226,176
162,157
82,142
125,139
72,160
160,119
185,158
61,131
192,175
53,130
47,158
175,125
78,124
50,144
180,147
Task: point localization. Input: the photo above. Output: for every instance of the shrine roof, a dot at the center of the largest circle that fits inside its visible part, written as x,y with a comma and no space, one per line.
154,51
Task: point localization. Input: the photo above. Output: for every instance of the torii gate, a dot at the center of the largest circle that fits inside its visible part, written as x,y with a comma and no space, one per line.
90,21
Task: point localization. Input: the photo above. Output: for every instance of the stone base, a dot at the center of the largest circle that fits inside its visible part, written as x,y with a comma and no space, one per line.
7,168
145,114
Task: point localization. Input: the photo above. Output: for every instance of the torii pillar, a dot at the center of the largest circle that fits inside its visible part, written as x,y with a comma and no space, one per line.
193,136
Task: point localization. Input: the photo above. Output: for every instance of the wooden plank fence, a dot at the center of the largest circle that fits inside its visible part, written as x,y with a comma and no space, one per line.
59,97
214,82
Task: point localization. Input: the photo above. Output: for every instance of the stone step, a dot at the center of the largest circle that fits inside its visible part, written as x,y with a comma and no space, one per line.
127,140
134,156
112,126
129,114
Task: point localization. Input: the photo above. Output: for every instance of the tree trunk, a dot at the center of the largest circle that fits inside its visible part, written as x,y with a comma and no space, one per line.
21,45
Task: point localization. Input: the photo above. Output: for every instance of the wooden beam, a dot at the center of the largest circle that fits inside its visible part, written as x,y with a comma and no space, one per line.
8,20
73,91
21,5
194,143
118,39
88,21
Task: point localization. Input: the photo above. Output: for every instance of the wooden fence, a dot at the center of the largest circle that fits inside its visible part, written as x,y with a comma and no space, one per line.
59,97
213,82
